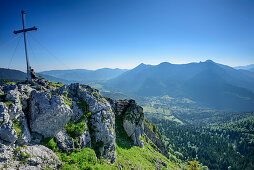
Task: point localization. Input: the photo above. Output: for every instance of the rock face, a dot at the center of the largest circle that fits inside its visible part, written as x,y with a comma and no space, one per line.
101,122
156,140
48,114
132,118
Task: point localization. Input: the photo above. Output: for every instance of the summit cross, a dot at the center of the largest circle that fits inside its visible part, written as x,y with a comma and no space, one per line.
24,30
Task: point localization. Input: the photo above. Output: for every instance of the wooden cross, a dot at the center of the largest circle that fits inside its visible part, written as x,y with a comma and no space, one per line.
24,30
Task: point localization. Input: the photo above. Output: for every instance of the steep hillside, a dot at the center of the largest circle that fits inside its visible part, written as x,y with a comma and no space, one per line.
85,76
51,125
13,75
214,85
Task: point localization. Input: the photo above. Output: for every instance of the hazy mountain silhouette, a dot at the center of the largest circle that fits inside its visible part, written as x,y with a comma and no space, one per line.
16,75
85,76
247,67
13,75
212,84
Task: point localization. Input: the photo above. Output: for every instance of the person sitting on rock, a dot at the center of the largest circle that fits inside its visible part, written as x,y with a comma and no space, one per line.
33,74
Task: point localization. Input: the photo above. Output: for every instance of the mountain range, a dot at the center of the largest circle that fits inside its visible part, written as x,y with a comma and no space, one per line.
85,76
211,84
248,67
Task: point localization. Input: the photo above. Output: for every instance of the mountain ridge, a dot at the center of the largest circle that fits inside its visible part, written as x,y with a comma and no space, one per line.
187,80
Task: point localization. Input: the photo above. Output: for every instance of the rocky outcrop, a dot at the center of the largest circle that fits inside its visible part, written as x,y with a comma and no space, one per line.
29,157
48,114
45,110
7,131
156,140
132,118
101,121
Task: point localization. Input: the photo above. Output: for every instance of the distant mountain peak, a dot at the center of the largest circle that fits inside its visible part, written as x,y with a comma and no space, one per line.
209,61
164,63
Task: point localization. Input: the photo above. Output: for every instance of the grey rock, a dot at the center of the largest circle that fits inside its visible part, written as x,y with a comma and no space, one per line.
94,102
9,87
8,133
41,158
25,137
12,95
103,133
48,115
64,142
101,122
15,110
133,119
4,115
77,112
24,88
85,140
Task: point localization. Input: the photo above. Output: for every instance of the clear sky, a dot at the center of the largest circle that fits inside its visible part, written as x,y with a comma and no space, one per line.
94,34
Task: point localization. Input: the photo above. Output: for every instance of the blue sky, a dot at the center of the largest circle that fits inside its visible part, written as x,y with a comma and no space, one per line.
94,34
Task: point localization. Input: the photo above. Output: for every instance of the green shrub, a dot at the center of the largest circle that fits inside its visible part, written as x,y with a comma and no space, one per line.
50,143
17,128
75,130
67,101
8,103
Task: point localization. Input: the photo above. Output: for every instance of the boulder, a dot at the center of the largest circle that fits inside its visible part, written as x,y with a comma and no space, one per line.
48,114
15,110
40,157
85,140
13,95
9,87
25,137
8,133
65,143
4,116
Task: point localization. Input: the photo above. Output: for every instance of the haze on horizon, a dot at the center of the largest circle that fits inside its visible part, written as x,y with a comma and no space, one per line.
122,34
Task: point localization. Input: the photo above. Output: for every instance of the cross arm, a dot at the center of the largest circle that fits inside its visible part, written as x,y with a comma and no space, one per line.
25,30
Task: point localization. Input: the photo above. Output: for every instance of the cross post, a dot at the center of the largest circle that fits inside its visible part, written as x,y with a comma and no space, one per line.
24,30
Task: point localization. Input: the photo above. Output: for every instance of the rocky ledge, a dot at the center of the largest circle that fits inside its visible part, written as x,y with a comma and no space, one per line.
74,116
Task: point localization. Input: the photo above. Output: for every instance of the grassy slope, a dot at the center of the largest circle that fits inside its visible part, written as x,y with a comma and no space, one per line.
128,156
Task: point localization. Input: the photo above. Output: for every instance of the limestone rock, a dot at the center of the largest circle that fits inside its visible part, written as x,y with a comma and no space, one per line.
77,112
40,157
15,110
102,131
48,114
132,118
4,116
12,95
9,87
25,137
85,140
101,123
7,132
64,142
